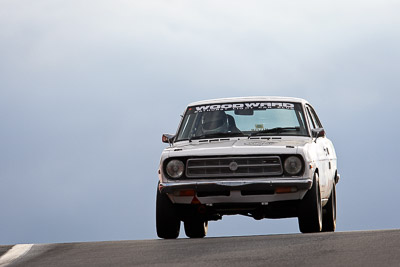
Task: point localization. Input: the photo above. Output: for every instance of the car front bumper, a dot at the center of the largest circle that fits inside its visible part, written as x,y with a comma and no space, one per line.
234,191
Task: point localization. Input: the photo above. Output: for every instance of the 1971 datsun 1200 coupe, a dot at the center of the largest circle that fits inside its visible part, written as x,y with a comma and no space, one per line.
263,157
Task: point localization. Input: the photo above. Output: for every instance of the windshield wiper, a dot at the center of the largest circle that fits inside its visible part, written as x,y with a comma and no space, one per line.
277,130
215,135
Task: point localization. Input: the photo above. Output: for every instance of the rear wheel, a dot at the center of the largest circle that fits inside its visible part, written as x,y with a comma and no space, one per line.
310,209
329,215
196,228
167,222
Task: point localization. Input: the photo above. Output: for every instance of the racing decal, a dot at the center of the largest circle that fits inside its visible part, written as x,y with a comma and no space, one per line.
238,106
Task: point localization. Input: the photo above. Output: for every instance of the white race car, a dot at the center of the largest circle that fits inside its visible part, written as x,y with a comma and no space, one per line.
263,157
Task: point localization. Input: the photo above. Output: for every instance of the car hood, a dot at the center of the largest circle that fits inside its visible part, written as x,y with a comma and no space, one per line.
237,146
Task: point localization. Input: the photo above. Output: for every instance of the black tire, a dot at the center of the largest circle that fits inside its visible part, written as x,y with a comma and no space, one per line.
329,213
167,221
310,209
196,228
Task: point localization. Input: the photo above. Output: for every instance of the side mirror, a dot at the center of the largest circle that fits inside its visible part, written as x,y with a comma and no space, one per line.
168,138
318,132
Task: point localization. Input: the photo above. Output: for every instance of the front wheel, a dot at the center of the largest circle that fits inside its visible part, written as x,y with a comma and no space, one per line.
310,209
167,221
196,228
329,215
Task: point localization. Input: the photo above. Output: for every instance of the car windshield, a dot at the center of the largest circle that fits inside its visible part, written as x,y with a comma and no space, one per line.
242,119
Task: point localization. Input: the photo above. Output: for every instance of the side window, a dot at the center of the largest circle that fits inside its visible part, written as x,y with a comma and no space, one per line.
315,117
309,118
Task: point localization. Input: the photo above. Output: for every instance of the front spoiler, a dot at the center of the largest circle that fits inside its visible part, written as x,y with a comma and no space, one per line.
215,186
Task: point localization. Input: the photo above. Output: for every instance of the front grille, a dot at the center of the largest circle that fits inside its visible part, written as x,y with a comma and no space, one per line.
234,167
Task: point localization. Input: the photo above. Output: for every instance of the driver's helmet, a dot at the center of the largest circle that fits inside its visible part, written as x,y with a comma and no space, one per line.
214,122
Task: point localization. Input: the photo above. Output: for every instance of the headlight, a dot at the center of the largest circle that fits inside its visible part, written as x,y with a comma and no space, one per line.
293,165
175,168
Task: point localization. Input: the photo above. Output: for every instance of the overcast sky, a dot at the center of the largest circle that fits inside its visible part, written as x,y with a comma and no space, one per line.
88,87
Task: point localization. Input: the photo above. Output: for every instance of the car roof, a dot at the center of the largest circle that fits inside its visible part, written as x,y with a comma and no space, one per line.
249,99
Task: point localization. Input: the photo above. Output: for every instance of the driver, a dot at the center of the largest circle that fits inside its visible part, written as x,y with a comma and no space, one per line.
214,122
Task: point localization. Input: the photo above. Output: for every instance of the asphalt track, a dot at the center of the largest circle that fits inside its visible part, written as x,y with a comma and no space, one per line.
362,248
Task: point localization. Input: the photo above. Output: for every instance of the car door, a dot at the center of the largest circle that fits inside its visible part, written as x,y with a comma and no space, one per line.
331,156
322,153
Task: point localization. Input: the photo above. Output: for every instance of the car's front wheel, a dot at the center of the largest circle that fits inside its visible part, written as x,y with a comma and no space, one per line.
329,215
167,221
310,209
196,228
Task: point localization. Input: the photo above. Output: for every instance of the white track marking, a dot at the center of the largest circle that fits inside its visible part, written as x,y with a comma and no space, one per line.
14,253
